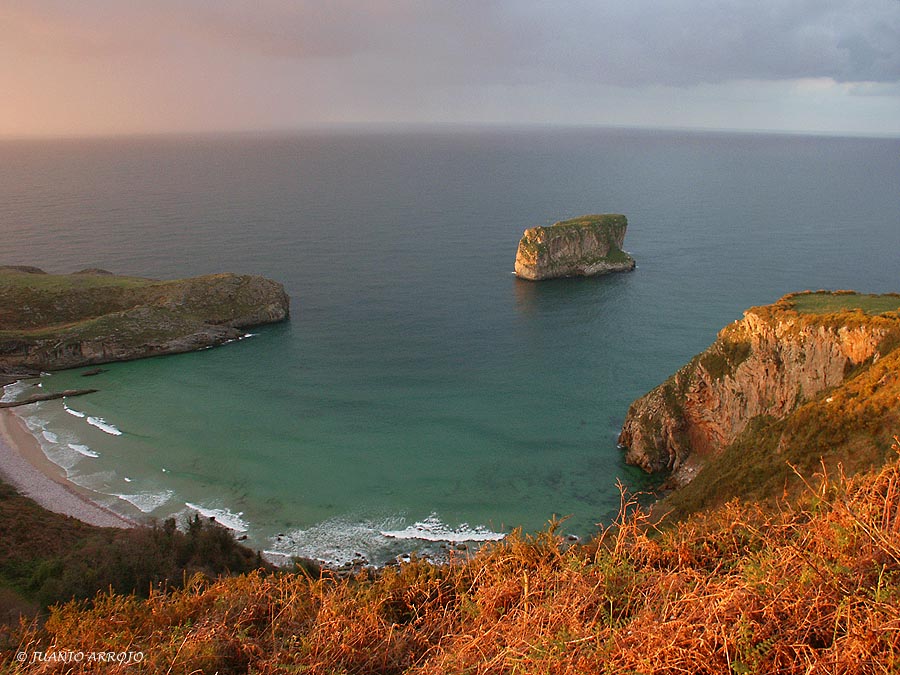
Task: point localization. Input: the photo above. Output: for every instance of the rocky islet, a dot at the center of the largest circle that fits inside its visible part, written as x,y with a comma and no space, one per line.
585,246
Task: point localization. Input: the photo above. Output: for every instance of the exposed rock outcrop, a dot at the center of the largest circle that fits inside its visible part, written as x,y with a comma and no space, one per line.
584,246
68,393
51,322
767,364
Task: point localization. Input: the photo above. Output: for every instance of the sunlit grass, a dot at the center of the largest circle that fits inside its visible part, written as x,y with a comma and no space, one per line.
828,303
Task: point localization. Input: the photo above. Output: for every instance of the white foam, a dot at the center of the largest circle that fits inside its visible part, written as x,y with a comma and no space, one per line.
11,391
229,519
433,529
71,411
147,502
237,339
103,425
337,541
35,423
83,449
50,436
333,542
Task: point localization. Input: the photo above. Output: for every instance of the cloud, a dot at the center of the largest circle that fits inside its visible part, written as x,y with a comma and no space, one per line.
233,64
630,42
635,42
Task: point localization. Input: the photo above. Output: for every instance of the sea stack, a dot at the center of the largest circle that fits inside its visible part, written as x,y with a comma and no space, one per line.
583,246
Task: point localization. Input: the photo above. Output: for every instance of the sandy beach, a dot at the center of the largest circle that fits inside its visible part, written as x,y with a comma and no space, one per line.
24,466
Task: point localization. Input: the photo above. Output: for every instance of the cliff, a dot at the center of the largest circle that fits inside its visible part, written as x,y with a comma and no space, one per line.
51,322
584,246
764,380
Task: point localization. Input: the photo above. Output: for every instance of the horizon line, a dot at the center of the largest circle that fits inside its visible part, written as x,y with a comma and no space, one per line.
395,127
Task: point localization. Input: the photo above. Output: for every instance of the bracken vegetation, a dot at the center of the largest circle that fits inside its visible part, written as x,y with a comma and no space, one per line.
810,585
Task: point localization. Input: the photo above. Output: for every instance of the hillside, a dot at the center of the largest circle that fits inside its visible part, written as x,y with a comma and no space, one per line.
54,321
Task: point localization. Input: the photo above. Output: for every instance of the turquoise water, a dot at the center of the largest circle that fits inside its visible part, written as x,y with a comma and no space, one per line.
420,390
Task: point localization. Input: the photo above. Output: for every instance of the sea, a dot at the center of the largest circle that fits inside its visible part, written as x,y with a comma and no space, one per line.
421,397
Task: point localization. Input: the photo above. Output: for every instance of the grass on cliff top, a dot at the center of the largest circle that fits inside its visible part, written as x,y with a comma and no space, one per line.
13,279
834,309
812,586
591,220
35,301
824,302
37,305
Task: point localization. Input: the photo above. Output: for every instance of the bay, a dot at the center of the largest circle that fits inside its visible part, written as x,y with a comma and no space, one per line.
420,389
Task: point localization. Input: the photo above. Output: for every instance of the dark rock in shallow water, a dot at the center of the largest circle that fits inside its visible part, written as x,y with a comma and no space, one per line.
24,269
68,393
94,271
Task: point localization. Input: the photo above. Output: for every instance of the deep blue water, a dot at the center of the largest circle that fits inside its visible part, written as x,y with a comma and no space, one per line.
418,381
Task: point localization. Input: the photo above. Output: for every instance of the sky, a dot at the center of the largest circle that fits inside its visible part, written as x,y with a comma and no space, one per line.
99,67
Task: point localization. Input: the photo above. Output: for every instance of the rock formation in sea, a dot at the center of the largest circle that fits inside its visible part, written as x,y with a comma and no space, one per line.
804,350
583,246
51,322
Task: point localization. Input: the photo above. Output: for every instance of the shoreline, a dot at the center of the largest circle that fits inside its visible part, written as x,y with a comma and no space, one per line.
24,466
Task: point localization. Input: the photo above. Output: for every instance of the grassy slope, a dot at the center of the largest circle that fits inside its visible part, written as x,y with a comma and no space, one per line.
57,302
51,321
63,299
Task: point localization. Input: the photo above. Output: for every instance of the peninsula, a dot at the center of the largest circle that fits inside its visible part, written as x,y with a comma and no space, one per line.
810,379
57,321
584,246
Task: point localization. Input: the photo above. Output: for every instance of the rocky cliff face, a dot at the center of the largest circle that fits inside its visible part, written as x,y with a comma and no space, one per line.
767,364
50,322
583,246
